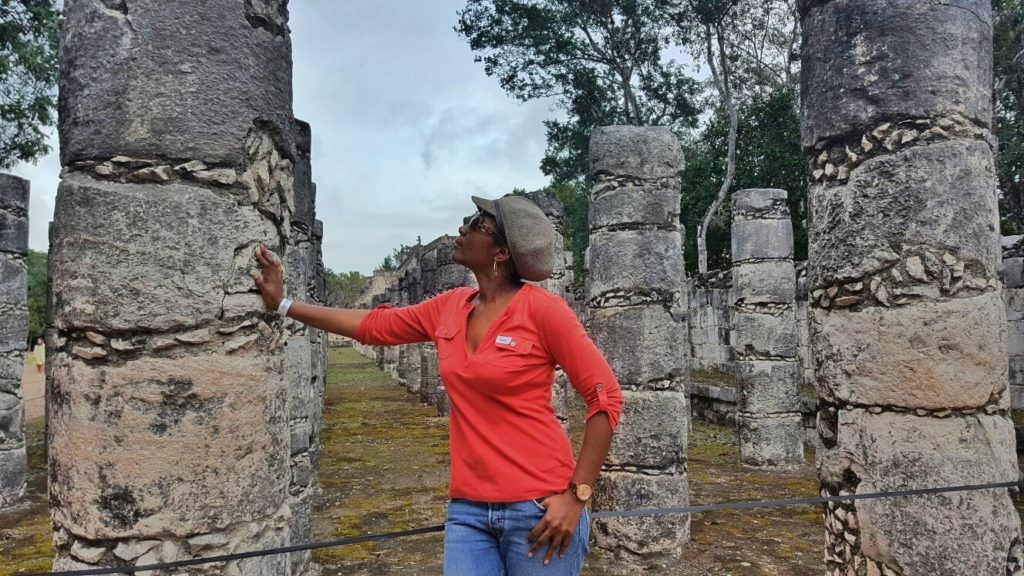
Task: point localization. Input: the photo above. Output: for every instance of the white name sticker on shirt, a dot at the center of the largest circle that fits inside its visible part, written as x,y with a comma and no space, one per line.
507,340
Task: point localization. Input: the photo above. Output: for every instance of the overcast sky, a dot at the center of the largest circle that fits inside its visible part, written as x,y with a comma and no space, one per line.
405,127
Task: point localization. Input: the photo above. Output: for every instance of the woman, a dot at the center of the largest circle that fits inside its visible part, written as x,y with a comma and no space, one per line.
518,498
39,354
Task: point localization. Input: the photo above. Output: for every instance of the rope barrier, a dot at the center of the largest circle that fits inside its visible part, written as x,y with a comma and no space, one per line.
596,516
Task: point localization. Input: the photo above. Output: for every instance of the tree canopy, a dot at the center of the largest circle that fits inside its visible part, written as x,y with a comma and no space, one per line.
29,41
602,61
1008,68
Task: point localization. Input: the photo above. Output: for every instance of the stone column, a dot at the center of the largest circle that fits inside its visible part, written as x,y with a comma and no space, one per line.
1012,275
168,412
14,193
637,318
908,327
764,331
305,404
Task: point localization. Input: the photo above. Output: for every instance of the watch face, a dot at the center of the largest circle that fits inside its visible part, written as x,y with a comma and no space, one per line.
584,492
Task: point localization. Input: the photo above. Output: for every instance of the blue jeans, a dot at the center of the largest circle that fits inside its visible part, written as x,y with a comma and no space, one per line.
483,539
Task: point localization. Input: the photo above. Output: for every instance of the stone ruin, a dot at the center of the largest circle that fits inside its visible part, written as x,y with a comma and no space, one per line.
764,330
183,420
14,193
908,328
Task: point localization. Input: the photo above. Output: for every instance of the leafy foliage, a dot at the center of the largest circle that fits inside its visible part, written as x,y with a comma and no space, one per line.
575,198
767,156
344,288
601,60
36,262
29,41
1008,61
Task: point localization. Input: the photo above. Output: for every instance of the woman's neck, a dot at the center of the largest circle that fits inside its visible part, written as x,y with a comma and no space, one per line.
495,289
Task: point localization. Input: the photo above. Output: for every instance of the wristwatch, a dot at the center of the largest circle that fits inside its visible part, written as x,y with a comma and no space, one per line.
583,492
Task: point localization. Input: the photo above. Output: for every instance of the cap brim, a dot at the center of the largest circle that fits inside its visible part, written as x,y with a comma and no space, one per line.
486,205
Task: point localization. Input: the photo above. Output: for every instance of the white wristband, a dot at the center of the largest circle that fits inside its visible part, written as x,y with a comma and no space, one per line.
282,308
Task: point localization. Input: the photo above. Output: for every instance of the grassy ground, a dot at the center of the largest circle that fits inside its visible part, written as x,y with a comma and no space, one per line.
385,467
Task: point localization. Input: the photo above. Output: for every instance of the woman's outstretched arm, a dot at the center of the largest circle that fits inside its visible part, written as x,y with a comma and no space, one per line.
270,282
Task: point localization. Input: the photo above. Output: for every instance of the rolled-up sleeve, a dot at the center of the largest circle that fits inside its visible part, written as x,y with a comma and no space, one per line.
573,350
388,326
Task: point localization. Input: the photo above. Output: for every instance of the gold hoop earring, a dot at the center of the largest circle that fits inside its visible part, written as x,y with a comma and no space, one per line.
495,268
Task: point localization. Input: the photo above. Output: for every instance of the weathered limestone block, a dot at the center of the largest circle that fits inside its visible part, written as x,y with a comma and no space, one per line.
772,386
650,431
646,537
14,196
633,205
409,367
890,201
13,331
1012,272
771,441
13,281
302,403
766,282
116,243
14,193
763,336
919,60
761,203
561,394
762,239
634,266
625,151
933,355
13,471
133,83
213,417
429,377
642,345
305,190
892,451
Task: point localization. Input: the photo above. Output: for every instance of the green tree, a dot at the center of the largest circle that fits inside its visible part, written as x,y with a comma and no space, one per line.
1008,96
388,264
575,198
767,156
748,47
344,288
29,41
36,263
601,61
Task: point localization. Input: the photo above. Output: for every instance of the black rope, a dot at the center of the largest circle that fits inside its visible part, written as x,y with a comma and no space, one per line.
596,515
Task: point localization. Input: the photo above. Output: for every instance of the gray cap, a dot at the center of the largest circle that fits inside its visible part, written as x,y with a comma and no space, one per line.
530,235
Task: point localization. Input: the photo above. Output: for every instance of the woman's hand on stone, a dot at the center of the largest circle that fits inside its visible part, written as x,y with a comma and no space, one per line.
270,279
557,526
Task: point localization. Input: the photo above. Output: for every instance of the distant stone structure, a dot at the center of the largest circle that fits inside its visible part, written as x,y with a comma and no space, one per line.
14,193
637,318
764,330
908,330
172,431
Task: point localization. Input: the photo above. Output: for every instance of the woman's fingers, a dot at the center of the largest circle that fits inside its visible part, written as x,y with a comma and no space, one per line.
556,543
565,545
540,540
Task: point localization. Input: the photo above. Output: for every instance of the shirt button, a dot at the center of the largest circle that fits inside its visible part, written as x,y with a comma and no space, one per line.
600,387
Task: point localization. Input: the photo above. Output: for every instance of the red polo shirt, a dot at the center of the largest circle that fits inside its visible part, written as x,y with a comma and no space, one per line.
506,444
